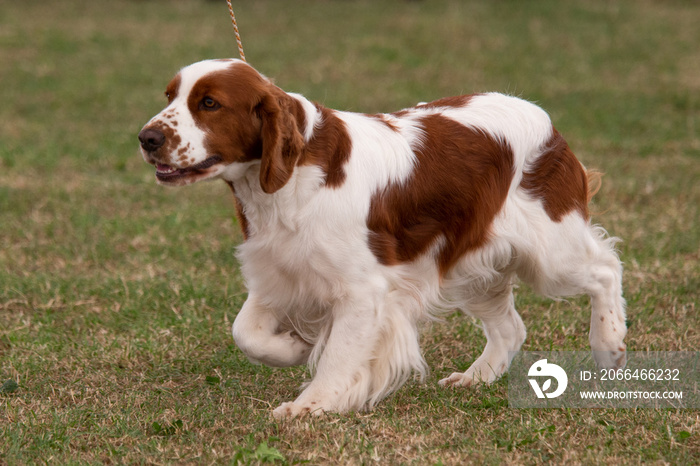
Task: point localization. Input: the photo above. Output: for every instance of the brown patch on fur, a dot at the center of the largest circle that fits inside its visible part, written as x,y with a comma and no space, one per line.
258,120
172,140
254,120
182,151
298,114
402,113
233,130
282,143
240,214
329,147
447,102
383,118
558,179
458,186
173,87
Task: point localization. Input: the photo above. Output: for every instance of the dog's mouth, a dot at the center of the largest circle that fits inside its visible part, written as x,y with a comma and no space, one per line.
169,174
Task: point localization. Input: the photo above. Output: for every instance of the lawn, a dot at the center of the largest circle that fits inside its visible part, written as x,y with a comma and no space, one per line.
117,295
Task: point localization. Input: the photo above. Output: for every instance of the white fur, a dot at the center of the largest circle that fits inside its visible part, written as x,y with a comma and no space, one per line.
318,295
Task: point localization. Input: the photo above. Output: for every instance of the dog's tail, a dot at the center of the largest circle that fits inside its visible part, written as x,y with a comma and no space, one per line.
594,181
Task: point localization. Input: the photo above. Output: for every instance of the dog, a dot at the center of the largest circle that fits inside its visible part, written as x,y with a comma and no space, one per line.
358,228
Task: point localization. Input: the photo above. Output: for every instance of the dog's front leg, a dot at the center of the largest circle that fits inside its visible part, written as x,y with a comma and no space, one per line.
257,333
342,380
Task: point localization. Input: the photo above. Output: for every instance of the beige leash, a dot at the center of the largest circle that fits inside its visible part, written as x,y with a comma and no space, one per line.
235,29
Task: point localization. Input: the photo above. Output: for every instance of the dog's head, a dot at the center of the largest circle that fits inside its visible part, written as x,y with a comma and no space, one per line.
220,113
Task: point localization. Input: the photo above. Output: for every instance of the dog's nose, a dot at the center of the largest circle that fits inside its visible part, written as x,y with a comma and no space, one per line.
151,139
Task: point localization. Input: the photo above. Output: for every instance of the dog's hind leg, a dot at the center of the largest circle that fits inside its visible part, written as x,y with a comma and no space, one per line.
505,334
577,258
608,327
261,336
603,283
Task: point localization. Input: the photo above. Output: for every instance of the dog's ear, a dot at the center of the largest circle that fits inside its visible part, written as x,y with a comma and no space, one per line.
282,142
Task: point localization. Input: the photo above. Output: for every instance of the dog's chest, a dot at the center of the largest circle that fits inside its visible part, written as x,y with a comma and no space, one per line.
293,268
307,243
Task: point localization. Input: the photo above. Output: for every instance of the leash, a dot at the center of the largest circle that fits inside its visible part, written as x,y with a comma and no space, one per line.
235,30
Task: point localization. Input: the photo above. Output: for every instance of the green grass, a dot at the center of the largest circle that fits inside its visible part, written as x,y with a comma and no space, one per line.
117,295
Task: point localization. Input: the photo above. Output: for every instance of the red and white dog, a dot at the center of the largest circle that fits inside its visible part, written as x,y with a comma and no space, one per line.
359,227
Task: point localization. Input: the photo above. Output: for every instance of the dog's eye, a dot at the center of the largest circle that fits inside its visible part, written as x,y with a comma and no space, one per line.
209,104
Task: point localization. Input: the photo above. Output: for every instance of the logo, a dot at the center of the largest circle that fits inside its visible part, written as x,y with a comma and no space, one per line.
544,369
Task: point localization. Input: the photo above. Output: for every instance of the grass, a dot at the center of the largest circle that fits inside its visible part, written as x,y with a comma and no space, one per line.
117,295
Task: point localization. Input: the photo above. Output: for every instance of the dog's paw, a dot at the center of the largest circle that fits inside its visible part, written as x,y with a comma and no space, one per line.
461,379
292,409
612,359
476,374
